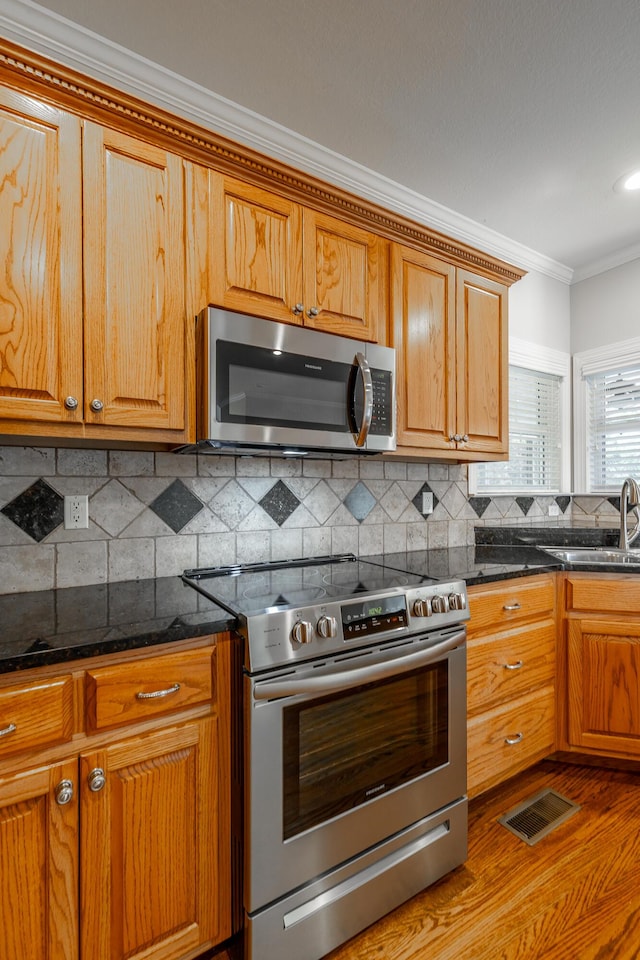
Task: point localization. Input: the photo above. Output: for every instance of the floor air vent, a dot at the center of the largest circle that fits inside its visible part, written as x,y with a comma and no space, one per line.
538,816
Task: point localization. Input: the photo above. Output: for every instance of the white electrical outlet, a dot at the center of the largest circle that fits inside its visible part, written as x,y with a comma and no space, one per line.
76,512
427,503
554,510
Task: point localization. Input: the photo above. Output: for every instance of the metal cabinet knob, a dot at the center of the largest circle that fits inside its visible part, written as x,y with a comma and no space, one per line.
465,438
10,728
511,741
71,403
312,312
298,309
96,779
518,665
64,792
96,405
511,606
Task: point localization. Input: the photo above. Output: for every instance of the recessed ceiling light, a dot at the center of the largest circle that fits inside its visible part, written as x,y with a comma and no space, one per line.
628,182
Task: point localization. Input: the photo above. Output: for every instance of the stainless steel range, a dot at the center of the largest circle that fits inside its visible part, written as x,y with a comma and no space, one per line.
354,743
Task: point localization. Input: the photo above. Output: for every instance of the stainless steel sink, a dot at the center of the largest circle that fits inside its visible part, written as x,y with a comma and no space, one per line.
602,556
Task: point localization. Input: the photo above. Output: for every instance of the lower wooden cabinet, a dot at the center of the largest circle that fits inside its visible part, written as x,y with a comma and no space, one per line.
39,864
511,667
602,636
121,848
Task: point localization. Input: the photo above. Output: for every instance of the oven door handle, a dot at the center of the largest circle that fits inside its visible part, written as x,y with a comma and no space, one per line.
343,679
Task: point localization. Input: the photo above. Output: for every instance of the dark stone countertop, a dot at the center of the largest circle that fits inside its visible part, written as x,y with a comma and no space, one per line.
57,626
479,564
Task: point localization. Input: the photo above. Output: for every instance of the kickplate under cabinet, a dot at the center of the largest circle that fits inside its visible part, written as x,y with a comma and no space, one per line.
539,815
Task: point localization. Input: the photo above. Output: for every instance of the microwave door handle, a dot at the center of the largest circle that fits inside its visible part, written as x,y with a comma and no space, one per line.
393,666
365,372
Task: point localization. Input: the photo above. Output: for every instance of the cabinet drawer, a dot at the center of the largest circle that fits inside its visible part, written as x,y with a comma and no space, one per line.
36,713
509,665
140,690
613,593
509,739
508,602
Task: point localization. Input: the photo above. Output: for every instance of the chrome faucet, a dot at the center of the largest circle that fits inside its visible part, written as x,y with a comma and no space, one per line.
629,500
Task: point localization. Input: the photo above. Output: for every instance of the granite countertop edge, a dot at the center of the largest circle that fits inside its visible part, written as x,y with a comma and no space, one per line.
60,626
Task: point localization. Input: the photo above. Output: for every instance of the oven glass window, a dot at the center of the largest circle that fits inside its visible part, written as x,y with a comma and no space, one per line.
345,749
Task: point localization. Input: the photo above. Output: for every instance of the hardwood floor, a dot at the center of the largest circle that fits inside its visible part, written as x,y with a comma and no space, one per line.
575,895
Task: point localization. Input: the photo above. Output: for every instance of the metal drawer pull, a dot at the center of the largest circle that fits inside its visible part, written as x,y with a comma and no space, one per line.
64,792
158,693
7,730
512,740
96,779
511,606
514,666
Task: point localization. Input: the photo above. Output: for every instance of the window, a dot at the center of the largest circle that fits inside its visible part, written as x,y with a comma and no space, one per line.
538,427
607,404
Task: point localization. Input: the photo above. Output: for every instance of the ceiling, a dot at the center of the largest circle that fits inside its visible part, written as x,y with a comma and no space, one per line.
518,115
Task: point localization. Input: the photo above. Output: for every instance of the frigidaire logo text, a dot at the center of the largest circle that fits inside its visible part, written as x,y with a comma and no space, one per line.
312,366
381,786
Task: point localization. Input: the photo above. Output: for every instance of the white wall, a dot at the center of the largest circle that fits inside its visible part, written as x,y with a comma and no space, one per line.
539,311
606,308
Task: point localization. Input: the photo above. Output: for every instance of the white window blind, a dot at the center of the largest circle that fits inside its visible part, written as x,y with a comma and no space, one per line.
535,434
613,426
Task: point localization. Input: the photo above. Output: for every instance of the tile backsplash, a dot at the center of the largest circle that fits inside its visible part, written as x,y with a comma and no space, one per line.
155,514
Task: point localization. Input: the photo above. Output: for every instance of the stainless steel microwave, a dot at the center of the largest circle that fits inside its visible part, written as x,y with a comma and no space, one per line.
273,388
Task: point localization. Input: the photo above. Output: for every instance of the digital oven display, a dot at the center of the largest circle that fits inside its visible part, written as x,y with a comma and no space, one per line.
373,616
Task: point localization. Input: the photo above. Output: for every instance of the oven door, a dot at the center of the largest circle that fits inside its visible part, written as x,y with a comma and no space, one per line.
343,754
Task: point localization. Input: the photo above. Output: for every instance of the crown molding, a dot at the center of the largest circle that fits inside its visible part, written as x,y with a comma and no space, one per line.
48,34
617,259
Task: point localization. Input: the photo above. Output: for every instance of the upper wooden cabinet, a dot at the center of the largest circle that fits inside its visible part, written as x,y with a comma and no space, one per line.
450,330
41,256
134,278
273,257
92,292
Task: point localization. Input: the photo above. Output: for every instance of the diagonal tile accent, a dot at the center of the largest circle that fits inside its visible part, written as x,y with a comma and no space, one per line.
525,504
563,502
38,510
479,504
176,505
359,501
279,502
417,500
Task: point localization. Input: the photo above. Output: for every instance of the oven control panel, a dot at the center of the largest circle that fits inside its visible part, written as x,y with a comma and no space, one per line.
373,616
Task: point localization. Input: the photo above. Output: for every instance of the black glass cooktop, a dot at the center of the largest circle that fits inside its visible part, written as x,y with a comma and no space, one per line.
260,588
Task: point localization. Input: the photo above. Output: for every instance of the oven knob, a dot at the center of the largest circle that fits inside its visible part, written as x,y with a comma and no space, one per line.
327,626
422,608
302,632
440,604
457,601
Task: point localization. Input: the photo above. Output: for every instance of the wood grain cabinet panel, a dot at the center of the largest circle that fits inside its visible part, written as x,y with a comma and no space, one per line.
134,269
41,256
129,692
272,257
510,738
450,330
35,714
148,887
121,851
39,865
511,678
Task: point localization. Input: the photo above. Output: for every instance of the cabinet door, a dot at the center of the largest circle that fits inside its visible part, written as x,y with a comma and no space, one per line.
604,685
343,269
423,332
482,364
255,250
41,256
149,846
38,866
134,282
